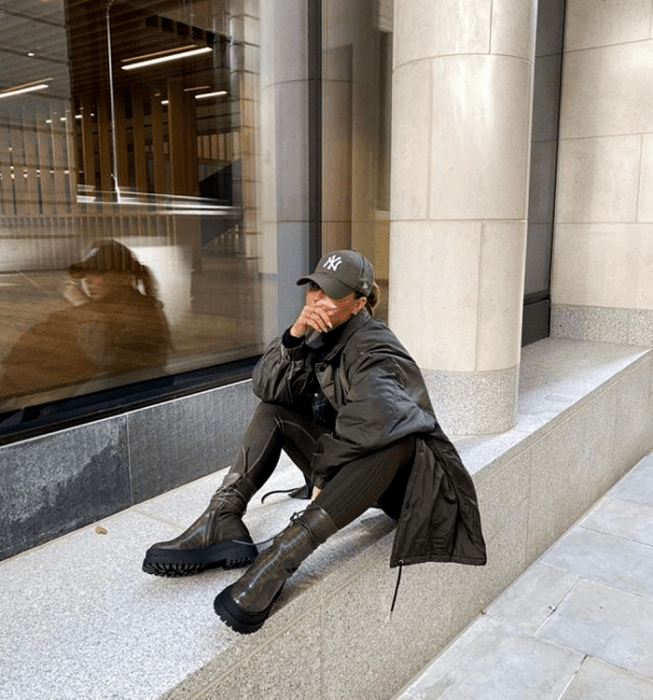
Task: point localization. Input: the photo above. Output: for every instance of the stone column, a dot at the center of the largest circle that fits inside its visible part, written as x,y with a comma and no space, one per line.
462,103
284,190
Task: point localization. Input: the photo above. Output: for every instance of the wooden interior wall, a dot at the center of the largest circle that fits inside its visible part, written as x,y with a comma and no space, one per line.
45,163
138,119
57,156
37,168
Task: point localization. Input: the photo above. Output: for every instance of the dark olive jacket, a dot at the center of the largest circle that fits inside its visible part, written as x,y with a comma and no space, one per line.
379,396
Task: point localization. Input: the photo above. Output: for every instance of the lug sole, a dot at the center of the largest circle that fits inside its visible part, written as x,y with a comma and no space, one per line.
174,563
238,620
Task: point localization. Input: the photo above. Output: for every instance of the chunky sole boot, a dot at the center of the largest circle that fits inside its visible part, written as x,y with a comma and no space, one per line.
245,605
186,562
217,538
239,620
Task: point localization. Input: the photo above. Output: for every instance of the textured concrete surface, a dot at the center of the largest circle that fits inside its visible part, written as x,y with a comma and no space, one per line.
78,618
577,624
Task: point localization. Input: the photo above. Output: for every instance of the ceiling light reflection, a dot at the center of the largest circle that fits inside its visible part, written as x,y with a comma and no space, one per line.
219,93
163,59
20,90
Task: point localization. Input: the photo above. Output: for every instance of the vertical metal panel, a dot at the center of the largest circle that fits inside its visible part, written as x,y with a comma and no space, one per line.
536,314
158,153
104,145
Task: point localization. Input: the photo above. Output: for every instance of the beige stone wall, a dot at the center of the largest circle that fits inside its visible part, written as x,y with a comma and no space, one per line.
603,254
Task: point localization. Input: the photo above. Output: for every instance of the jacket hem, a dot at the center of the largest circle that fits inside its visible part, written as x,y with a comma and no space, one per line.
439,559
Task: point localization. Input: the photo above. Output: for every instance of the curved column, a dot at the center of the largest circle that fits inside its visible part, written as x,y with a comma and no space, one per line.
462,104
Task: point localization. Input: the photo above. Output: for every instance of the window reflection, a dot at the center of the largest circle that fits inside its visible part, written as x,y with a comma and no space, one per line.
129,122
112,325
356,97
139,121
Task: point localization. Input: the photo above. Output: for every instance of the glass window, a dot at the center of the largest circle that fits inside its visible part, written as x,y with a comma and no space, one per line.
356,97
128,213
154,156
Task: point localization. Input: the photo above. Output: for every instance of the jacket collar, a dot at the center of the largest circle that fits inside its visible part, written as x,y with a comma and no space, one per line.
352,326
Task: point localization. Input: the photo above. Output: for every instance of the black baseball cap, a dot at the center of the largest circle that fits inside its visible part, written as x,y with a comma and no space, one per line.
106,256
342,272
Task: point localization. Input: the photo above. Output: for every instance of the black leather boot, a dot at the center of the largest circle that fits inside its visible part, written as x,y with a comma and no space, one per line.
245,605
217,538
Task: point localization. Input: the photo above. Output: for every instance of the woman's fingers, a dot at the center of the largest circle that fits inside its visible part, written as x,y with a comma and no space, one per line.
318,318
316,315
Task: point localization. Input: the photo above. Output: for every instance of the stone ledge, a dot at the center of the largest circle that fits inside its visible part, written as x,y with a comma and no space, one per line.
82,621
61,481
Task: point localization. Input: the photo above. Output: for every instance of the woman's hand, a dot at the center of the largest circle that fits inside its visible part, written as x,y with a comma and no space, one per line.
316,314
74,294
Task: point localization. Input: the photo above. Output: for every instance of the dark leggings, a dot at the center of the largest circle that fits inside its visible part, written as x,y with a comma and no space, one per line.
378,478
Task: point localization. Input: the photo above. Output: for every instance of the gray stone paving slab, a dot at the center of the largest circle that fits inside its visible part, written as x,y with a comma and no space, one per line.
590,597
493,661
636,487
607,624
643,468
597,680
533,598
596,556
74,645
626,519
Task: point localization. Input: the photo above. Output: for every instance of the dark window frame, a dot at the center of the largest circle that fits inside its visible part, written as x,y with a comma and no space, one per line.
536,308
54,416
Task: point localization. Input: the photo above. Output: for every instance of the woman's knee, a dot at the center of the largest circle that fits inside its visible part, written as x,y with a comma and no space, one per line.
267,415
264,409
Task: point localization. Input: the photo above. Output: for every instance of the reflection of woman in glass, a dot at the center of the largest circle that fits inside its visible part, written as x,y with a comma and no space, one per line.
114,325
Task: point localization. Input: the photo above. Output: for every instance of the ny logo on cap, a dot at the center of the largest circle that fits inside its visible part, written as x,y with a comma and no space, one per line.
332,263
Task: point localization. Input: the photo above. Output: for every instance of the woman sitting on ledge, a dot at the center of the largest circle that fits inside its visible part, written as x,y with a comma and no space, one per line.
340,394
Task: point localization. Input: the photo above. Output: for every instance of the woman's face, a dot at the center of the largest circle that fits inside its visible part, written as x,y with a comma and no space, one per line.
339,310
99,285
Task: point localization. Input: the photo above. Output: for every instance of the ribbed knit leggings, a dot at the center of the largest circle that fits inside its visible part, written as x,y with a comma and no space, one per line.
378,478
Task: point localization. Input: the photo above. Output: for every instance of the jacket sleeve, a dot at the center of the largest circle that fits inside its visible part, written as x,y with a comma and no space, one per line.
384,401
283,375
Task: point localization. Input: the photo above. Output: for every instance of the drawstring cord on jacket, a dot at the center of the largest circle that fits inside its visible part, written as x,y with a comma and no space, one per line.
394,597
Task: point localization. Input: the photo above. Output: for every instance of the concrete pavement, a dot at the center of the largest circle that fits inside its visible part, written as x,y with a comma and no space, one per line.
578,623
